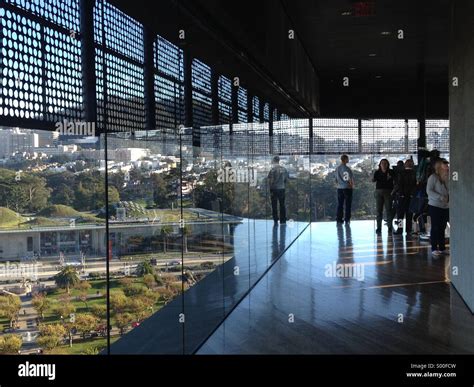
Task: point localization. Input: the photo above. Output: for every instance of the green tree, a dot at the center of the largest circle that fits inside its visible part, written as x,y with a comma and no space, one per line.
160,191
10,306
144,268
187,231
85,323
166,231
10,344
51,335
149,280
67,278
65,195
118,302
83,287
64,310
123,320
41,303
99,311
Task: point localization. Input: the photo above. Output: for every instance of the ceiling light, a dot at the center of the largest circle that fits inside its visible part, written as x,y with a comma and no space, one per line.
385,33
346,13
372,54
378,76
352,68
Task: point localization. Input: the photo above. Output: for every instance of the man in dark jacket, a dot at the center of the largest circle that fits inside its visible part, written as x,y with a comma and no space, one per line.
405,189
277,180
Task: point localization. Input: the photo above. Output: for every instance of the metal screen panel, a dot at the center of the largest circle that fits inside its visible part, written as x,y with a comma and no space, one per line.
168,59
437,135
169,84
266,112
413,134
275,114
169,97
384,136
122,33
202,102
119,70
256,109
64,13
291,137
224,88
334,136
40,66
242,104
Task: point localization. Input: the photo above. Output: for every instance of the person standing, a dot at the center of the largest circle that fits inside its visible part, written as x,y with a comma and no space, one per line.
383,179
345,185
405,189
277,181
437,189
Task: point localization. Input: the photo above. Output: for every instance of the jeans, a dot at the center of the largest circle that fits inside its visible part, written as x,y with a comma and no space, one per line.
344,196
383,199
404,210
439,221
278,196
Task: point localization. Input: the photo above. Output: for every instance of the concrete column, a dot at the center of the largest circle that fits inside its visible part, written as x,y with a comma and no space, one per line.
461,114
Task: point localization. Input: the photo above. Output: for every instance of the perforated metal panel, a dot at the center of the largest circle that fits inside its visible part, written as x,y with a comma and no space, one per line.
169,97
266,112
437,135
202,102
413,134
63,76
275,114
168,59
169,84
123,34
384,136
256,109
291,137
64,13
242,104
121,106
224,99
40,66
335,135
22,69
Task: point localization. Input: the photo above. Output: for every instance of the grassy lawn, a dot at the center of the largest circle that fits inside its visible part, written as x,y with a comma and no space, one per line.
51,317
80,347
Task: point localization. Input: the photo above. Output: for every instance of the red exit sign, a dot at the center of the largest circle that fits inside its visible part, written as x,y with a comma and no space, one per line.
364,8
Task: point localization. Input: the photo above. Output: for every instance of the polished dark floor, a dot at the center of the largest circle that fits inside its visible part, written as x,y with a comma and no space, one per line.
399,302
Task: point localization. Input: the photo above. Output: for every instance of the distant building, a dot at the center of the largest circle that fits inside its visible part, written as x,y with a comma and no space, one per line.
130,154
15,140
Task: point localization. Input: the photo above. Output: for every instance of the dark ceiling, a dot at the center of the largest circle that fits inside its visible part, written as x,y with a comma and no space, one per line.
388,76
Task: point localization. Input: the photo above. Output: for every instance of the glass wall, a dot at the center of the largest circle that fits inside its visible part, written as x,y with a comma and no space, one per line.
128,228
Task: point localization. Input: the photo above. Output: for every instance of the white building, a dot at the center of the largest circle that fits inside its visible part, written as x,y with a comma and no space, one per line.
15,140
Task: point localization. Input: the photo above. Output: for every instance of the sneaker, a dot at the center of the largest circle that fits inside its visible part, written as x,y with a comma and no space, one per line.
436,253
378,231
444,252
348,222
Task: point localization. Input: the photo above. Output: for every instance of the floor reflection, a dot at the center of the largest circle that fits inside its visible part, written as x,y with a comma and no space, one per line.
404,304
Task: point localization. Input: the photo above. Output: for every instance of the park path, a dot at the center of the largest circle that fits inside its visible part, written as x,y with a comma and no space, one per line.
27,324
